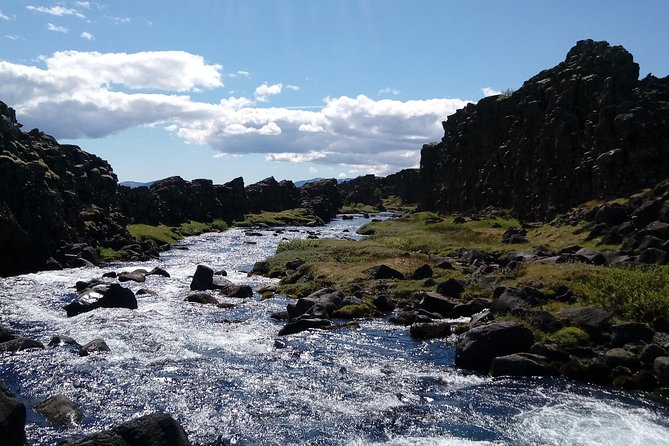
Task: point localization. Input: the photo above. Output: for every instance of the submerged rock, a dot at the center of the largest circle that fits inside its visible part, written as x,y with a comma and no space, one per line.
60,409
102,296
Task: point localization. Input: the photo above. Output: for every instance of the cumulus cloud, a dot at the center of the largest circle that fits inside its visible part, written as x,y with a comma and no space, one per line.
87,36
56,28
58,11
487,91
90,94
119,20
3,16
264,91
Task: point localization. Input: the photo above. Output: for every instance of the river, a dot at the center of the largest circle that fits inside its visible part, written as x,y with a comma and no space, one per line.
222,374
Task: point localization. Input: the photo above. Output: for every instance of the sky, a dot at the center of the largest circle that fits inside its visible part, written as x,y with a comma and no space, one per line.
294,89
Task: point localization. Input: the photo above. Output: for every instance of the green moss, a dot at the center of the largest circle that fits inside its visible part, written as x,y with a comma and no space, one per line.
358,208
355,311
112,255
395,203
569,337
298,216
160,234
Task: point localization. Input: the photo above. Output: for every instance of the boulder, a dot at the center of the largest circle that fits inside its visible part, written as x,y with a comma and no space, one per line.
661,369
430,330
384,303
202,298
156,429
95,346
60,409
451,288
138,275
260,268
12,418
203,279
158,271
102,296
475,305
19,344
300,325
543,320
620,357
522,364
437,303
592,320
422,272
380,272
632,332
476,349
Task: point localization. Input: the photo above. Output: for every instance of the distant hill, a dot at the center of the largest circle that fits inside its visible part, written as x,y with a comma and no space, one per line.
134,184
301,183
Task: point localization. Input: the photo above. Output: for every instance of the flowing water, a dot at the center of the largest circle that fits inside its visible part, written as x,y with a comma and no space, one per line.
228,379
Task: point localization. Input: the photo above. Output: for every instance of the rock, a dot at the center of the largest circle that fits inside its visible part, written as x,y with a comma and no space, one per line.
157,429
661,370
260,268
138,276
302,325
592,320
436,303
12,417
157,271
102,296
507,300
422,272
579,131
632,332
514,236
543,320
19,344
451,288
59,409
522,364
95,346
294,264
430,330
477,347
202,298
145,292
611,214
203,279
475,305
620,357
384,303
381,272
319,305
650,352
481,318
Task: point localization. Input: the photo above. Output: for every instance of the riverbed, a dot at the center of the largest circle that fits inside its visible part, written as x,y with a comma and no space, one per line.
227,377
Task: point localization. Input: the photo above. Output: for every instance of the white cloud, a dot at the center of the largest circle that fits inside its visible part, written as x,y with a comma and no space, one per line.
56,28
118,20
264,91
90,94
13,37
312,169
87,36
85,5
389,90
3,17
487,91
292,87
58,11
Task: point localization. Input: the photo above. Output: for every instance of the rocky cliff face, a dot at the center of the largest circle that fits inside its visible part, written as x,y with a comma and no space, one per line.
55,200
585,129
370,189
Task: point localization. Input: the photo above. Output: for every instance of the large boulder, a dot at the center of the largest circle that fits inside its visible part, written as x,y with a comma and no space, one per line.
203,279
12,418
102,296
476,349
522,364
157,429
60,409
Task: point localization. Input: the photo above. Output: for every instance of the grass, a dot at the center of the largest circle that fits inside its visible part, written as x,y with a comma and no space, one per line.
395,203
297,216
358,208
569,337
161,234
639,293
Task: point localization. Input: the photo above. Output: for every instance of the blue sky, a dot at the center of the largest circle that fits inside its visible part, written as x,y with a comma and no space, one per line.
293,88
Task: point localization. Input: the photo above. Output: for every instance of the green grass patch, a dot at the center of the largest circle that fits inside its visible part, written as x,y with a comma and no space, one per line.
297,217
112,255
358,208
160,234
395,203
637,293
569,337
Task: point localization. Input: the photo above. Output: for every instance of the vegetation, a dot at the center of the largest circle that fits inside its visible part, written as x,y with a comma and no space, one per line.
569,338
298,216
395,203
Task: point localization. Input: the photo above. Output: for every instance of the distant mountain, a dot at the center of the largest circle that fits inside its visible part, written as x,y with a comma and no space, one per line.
134,184
301,183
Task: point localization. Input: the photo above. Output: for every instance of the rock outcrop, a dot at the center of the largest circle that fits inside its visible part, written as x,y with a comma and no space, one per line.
585,129
57,202
371,190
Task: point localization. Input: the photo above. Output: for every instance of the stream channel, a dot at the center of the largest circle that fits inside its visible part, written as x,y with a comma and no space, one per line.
223,376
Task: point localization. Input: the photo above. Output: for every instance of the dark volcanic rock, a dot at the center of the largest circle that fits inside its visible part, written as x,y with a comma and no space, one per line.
477,347
271,195
12,417
585,129
321,198
18,344
102,296
592,320
302,325
59,409
384,272
95,346
157,429
522,364
203,279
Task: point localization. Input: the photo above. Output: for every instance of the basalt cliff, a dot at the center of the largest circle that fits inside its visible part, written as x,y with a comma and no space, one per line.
586,129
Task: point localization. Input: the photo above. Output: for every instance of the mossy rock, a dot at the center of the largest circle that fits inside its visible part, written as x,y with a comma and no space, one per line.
355,311
570,337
